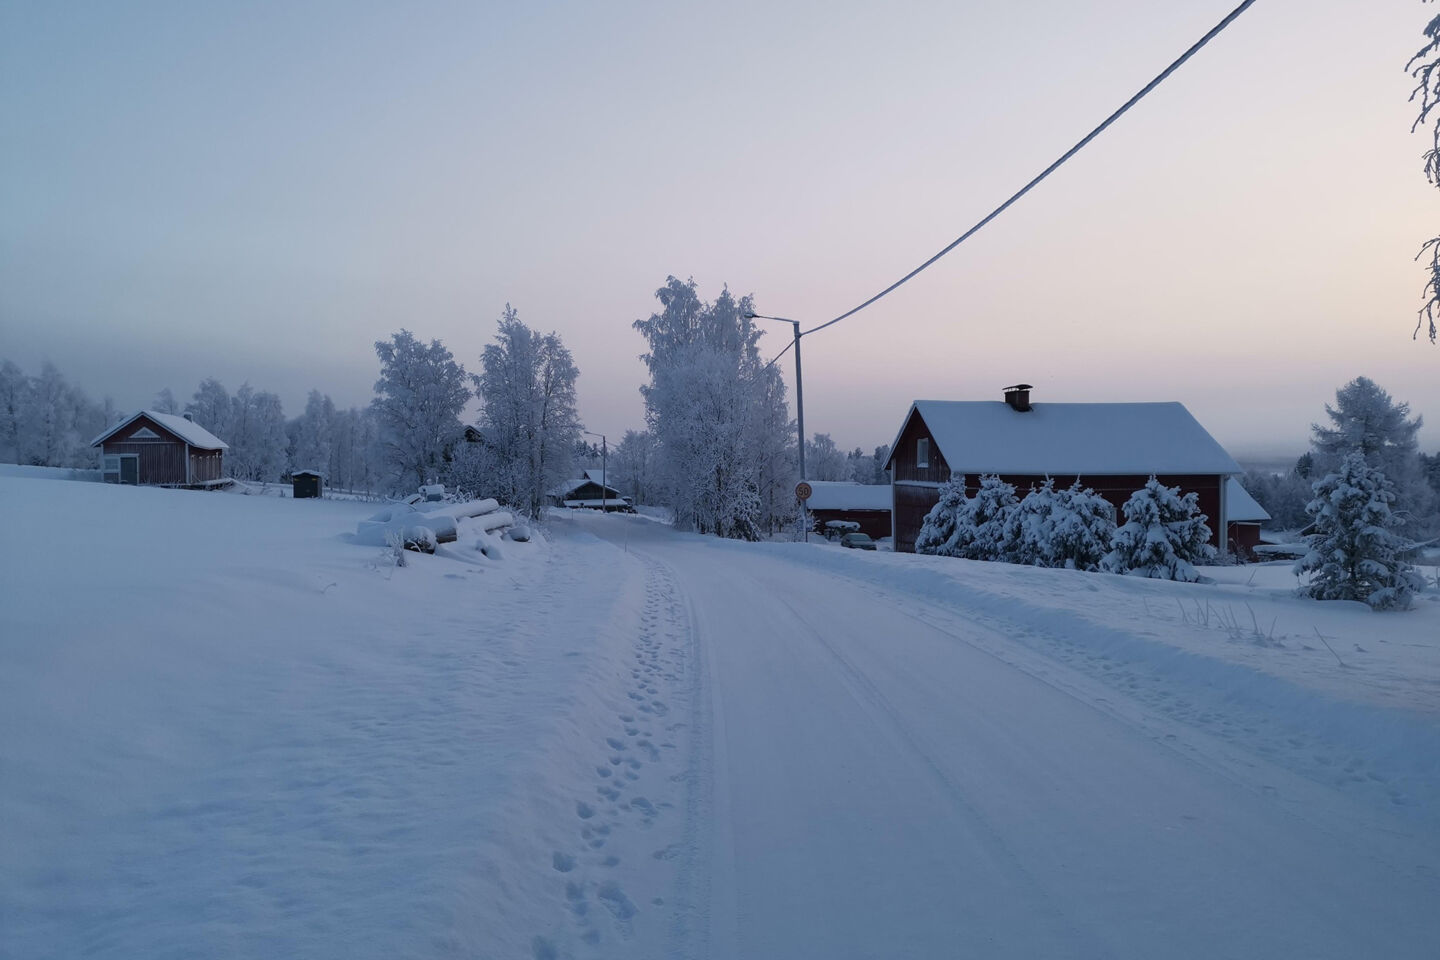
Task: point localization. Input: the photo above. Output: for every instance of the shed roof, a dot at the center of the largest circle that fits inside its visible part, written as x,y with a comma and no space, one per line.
1240,506
1059,439
187,430
844,495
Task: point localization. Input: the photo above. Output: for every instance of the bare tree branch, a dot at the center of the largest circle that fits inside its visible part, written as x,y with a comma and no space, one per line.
1425,68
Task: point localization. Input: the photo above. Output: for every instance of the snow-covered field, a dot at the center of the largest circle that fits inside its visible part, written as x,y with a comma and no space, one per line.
230,731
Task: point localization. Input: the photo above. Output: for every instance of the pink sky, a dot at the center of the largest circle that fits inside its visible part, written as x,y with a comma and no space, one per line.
260,196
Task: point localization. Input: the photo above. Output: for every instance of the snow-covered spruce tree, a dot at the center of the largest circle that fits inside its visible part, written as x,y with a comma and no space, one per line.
1354,553
527,386
718,415
1365,419
990,512
1164,535
1084,528
972,528
1031,530
421,392
937,530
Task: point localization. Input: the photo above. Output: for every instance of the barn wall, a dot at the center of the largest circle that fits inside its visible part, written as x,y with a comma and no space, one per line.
161,461
912,502
206,465
1244,538
875,523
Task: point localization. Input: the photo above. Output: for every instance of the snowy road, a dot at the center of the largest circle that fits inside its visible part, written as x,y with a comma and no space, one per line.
881,785
617,741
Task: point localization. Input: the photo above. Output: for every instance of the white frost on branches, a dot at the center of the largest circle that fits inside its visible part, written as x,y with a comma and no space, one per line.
717,413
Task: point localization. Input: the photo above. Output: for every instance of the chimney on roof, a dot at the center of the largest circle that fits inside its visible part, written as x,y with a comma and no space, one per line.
190,417
1018,397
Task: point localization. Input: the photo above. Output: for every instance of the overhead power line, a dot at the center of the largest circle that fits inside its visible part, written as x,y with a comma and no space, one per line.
1214,32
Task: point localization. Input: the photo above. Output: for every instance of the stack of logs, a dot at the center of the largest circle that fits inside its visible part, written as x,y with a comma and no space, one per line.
422,530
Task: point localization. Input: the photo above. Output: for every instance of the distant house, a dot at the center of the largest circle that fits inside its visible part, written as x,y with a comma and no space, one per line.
161,449
863,503
1113,448
1243,516
589,490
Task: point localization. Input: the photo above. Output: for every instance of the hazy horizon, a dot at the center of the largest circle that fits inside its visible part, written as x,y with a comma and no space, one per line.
259,196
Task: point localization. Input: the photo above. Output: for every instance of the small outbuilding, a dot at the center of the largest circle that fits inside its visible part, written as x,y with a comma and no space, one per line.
306,484
867,504
1243,516
161,449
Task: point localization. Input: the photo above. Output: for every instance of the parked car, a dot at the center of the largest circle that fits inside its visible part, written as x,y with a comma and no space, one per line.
857,541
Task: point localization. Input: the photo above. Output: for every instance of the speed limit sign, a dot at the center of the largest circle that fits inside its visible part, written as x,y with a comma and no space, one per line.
803,491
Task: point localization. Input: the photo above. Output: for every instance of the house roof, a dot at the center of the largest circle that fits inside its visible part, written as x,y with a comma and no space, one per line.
1240,506
570,486
187,430
1061,439
598,476
843,495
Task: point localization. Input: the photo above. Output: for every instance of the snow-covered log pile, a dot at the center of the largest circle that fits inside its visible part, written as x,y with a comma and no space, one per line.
420,529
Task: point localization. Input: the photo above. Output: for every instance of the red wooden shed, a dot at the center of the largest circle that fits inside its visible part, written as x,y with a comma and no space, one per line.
161,449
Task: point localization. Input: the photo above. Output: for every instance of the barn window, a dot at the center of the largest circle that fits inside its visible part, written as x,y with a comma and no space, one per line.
922,452
110,468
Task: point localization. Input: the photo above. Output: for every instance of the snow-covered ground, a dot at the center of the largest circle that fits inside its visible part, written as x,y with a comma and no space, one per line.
231,731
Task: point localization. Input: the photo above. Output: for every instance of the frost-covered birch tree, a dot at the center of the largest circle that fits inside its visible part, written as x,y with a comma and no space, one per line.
165,401
527,388
14,389
211,408
313,434
633,462
255,431
717,413
420,394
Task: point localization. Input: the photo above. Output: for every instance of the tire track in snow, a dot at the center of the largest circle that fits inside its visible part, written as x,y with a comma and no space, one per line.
870,697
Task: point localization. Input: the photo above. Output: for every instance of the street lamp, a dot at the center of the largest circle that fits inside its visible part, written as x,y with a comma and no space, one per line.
604,473
799,388
799,408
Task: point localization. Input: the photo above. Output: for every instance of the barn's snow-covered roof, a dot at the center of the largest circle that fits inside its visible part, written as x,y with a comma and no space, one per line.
843,495
1061,439
187,430
1240,506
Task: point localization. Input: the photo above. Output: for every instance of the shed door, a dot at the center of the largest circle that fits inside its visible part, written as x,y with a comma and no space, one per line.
130,469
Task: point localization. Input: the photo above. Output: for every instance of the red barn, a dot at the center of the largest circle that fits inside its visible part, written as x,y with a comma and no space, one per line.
1113,448
161,449
862,503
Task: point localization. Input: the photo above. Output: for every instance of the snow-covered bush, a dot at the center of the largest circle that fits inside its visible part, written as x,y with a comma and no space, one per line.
1164,535
1084,528
974,528
1354,553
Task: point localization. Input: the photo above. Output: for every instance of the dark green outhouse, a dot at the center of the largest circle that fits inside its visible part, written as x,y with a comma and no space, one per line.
306,482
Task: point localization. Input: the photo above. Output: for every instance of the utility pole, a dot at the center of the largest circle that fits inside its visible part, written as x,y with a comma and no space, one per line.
604,473
799,406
